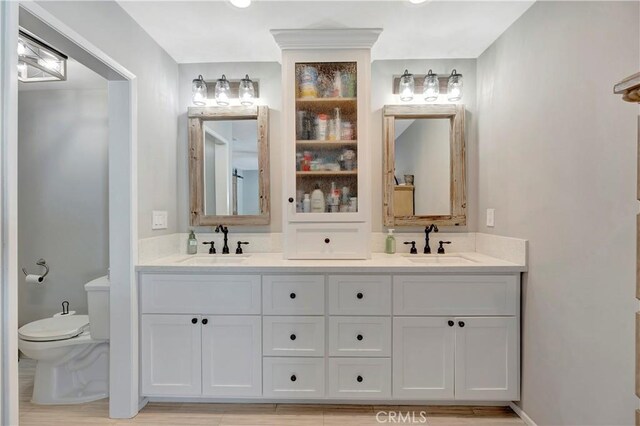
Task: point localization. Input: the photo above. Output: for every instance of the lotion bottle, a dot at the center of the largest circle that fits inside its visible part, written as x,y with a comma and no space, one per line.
317,200
390,243
306,204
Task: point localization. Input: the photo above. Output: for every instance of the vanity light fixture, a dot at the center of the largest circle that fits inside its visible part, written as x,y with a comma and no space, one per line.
241,4
38,61
199,90
406,86
223,90
246,91
454,87
431,87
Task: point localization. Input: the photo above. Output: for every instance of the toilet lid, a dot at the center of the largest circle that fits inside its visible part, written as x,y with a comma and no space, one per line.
57,328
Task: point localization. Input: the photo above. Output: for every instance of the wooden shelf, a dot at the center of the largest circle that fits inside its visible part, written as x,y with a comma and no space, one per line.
326,100
327,144
327,173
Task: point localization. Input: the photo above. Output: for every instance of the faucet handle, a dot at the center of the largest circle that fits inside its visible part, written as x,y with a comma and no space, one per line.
212,249
413,250
441,248
240,243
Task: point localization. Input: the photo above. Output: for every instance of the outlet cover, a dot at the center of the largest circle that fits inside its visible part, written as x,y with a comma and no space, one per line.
159,219
491,218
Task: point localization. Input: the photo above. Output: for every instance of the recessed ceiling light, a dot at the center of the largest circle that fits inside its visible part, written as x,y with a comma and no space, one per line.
242,3
417,1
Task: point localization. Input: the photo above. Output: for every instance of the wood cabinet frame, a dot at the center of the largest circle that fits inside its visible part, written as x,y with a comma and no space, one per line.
197,115
455,114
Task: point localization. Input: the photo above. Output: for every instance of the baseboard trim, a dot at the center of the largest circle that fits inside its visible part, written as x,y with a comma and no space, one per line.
518,410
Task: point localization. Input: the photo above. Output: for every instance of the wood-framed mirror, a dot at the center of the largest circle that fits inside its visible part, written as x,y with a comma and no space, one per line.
424,165
229,165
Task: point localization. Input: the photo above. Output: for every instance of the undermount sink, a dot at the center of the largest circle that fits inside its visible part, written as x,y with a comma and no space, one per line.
213,259
434,259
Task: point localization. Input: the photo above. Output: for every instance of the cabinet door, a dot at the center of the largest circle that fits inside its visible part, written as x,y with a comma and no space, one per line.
487,358
171,355
423,354
231,356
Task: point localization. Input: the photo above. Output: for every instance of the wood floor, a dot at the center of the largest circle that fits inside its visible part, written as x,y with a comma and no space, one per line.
254,414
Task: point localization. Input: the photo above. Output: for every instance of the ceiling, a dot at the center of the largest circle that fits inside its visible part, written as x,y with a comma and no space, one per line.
216,31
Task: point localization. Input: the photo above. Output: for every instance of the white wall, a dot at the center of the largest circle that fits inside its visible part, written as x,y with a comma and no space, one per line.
62,196
557,154
268,73
111,29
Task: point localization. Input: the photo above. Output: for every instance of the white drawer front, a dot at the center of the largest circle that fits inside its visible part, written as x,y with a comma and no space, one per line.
360,336
293,295
359,295
293,336
200,294
455,295
360,378
327,241
293,377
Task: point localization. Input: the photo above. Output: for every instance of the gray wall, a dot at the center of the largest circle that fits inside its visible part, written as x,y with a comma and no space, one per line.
111,29
62,196
557,157
268,73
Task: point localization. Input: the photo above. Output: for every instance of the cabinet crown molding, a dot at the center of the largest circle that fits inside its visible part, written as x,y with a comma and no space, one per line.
326,38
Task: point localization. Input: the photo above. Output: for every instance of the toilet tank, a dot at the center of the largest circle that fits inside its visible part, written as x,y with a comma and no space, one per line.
98,301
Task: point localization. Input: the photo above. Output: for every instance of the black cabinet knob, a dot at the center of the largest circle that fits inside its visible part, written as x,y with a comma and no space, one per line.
461,323
451,323
293,378
359,379
292,295
327,241
292,337
205,321
291,199
194,320
359,295
359,337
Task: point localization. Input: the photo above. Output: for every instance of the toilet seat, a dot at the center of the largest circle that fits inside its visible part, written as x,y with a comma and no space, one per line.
54,329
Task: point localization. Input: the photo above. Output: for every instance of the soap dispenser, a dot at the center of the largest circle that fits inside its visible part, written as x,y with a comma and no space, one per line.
390,243
192,243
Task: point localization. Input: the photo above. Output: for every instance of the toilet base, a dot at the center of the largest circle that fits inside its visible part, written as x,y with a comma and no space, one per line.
82,376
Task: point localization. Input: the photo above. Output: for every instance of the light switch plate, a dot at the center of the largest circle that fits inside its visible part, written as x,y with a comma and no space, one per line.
491,218
159,219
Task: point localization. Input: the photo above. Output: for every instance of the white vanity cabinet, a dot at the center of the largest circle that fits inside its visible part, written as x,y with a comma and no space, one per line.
331,336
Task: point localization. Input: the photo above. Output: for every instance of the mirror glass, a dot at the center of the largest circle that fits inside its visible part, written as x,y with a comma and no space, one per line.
422,167
231,171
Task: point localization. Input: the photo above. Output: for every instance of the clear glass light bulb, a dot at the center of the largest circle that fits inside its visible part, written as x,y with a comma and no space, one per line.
222,91
454,87
431,87
406,86
22,69
246,91
199,91
22,49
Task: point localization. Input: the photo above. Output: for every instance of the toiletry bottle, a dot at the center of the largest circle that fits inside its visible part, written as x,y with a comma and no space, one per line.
390,243
192,243
317,200
306,204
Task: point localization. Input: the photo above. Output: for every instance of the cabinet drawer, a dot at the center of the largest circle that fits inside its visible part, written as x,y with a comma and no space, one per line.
360,378
293,336
359,295
455,295
327,241
293,377
293,295
201,294
360,336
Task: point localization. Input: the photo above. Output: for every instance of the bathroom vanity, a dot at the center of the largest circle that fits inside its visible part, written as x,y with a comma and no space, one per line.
390,328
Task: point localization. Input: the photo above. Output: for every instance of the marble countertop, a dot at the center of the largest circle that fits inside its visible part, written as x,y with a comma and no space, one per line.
468,262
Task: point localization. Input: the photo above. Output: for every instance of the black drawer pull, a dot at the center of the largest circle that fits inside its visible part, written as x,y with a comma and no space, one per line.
359,379
292,295
205,321
451,323
327,240
292,337
359,337
359,295
194,320
293,378
461,323
291,199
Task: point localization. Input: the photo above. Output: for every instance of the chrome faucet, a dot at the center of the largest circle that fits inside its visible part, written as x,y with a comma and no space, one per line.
225,231
427,231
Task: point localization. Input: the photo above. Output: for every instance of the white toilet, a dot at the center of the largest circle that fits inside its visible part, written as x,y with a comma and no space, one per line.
72,352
